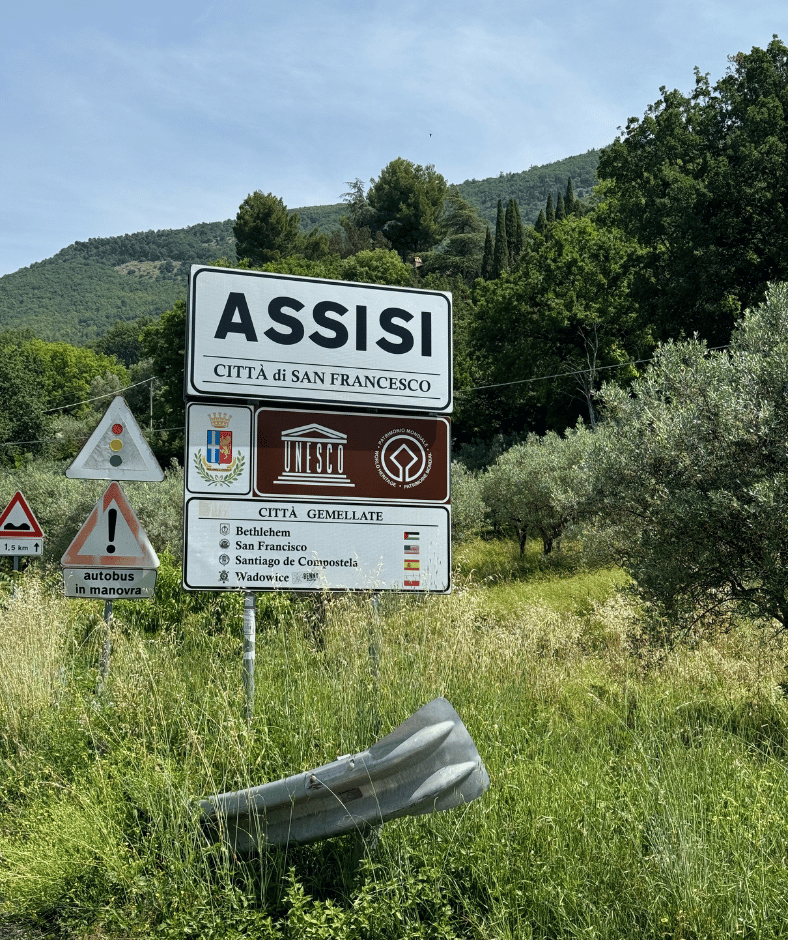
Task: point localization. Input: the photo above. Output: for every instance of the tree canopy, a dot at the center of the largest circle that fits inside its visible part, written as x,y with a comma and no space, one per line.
701,181
405,204
264,230
564,312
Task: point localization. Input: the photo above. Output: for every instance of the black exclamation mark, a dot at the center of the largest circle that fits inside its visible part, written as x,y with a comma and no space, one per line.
113,518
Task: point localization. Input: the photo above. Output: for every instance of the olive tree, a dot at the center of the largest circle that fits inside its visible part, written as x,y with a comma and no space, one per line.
467,505
538,487
692,476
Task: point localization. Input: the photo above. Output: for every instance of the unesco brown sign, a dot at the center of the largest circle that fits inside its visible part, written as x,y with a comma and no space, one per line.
351,456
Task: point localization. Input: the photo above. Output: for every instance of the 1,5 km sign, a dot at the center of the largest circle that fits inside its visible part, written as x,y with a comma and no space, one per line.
252,334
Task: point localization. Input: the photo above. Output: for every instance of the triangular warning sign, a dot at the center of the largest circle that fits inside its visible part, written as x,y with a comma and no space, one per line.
112,537
116,450
17,519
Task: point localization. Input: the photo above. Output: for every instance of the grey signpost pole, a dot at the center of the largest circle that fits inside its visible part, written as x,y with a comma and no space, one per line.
107,649
249,651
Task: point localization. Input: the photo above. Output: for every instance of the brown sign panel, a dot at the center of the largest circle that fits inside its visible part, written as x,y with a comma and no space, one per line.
317,455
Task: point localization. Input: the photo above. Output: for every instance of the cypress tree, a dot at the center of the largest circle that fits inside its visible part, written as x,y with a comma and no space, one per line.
550,211
487,257
501,249
519,237
560,210
569,198
514,231
541,223
508,222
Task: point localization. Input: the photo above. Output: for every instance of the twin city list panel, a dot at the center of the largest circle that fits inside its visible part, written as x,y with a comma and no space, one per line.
317,447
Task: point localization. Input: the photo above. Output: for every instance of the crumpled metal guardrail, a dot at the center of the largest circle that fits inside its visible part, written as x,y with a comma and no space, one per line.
429,763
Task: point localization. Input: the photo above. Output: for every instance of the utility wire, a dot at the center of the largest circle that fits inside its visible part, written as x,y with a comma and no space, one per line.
151,378
47,440
562,375
460,393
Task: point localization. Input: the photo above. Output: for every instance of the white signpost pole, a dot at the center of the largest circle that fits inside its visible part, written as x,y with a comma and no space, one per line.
249,652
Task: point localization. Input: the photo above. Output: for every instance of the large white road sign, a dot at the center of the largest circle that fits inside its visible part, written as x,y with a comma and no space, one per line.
254,545
252,334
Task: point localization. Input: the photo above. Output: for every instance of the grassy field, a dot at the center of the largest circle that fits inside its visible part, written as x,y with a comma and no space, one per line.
627,799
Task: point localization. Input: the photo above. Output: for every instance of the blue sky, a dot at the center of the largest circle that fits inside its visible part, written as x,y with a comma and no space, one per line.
125,115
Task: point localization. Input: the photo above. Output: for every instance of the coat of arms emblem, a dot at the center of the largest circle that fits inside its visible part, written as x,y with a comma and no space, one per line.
218,458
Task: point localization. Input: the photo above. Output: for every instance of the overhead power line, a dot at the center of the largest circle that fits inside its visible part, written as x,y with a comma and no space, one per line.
563,375
87,401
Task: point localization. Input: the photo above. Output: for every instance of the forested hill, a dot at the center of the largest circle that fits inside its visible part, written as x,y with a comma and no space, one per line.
530,188
79,293
83,290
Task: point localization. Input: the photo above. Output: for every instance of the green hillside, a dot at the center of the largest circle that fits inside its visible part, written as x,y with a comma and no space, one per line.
83,290
530,188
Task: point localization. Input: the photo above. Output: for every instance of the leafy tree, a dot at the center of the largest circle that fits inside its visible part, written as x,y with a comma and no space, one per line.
501,249
541,222
378,266
560,210
164,342
467,505
701,181
22,404
565,315
357,227
408,204
123,340
460,217
460,253
569,199
692,476
67,373
264,229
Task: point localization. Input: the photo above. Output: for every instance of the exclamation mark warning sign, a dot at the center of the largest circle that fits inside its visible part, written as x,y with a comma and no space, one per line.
112,537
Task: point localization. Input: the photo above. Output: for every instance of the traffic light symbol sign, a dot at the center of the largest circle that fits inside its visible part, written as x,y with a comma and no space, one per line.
116,450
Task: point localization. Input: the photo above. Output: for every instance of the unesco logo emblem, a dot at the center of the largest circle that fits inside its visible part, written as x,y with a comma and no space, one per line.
403,458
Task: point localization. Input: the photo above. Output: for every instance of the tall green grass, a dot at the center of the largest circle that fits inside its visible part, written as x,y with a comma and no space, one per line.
625,801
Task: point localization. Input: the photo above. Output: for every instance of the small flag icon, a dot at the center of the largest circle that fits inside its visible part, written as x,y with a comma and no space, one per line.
411,549
411,535
408,583
411,565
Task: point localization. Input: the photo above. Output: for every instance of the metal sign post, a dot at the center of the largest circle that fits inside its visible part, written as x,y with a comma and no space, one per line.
106,651
250,627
